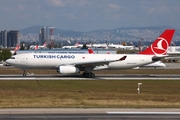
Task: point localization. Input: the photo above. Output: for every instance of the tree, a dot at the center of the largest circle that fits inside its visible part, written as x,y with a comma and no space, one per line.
6,54
1,56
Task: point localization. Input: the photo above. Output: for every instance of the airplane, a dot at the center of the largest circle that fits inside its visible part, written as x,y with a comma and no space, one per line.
69,47
117,46
75,63
94,45
77,45
36,47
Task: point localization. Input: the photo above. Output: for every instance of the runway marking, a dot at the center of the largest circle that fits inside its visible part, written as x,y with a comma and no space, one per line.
157,113
110,77
17,78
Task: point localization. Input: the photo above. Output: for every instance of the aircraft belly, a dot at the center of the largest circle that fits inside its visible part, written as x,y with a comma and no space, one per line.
120,65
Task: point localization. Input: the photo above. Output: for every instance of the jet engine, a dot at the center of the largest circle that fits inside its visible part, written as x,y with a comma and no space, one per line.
68,70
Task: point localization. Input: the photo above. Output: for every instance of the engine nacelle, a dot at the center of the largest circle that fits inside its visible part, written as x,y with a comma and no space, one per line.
68,70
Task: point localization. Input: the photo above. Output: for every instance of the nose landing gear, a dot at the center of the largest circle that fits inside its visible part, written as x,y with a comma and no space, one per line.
24,72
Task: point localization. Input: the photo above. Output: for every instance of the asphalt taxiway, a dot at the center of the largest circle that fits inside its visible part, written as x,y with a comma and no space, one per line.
98,77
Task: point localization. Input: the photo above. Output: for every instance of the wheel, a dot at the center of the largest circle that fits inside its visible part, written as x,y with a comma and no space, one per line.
88,74
24,74
93,75
84,74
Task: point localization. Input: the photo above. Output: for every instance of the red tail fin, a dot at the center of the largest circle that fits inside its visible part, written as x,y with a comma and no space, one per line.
90,51
16,48
161,44
44,44
36,47
77,44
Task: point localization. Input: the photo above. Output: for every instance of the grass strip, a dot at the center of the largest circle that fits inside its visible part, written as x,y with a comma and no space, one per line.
89,94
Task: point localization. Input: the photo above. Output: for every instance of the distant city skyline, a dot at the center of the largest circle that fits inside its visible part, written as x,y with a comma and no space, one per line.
88,15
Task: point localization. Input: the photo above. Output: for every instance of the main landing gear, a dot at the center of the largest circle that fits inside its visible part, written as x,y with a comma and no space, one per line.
24,72
88,74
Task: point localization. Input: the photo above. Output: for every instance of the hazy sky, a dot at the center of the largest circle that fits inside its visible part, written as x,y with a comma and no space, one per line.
87,15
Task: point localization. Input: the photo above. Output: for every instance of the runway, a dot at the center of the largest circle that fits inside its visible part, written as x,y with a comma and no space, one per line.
98,77
88,114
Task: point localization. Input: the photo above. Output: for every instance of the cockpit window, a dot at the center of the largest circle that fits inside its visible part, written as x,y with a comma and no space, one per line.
12,57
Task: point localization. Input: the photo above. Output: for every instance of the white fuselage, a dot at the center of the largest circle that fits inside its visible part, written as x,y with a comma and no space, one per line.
53,61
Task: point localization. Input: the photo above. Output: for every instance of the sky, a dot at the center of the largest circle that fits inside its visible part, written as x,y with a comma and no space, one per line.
88,15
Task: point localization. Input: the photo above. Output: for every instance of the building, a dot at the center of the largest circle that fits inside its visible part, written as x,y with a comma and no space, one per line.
9,38
42,35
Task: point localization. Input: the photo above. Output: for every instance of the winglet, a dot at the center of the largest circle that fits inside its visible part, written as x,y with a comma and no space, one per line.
161,44
123,58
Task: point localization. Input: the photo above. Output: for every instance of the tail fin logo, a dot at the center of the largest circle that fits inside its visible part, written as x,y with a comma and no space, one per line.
160,47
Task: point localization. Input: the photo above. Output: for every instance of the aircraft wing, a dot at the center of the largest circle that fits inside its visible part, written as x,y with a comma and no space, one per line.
97,63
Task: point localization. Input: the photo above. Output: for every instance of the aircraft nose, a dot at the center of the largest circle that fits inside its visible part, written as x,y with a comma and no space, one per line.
8,61
164,65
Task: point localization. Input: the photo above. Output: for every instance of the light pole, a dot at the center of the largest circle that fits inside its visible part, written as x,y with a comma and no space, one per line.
138,89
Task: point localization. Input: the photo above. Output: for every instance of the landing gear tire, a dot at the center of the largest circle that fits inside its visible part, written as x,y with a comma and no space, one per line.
88,74
24,73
